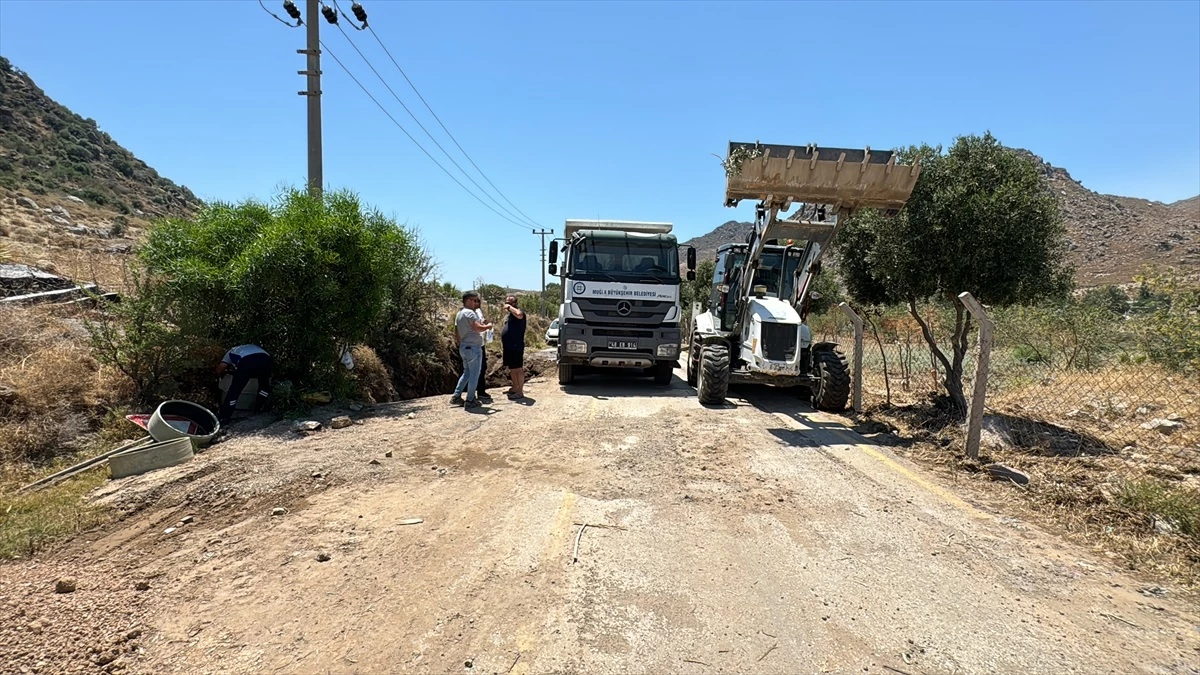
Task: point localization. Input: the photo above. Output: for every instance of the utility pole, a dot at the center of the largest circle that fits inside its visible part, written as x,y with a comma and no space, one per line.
315,180
543,233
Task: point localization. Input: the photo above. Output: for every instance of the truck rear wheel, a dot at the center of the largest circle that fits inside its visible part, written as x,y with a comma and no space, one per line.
566,373
832,388
714,374
693,362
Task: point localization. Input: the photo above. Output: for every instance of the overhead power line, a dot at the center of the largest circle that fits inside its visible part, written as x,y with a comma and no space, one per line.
441,124
417,143
422,126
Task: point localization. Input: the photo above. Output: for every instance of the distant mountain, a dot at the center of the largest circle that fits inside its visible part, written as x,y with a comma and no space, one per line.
1111,237
65,185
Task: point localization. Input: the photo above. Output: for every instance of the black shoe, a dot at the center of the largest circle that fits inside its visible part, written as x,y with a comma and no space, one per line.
485,398
471,405
456,400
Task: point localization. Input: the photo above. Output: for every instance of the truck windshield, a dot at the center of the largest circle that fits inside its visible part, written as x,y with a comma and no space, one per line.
628,260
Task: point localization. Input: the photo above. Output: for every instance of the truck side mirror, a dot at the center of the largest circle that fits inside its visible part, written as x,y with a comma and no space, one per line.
691,259
691,275
553,254
553,268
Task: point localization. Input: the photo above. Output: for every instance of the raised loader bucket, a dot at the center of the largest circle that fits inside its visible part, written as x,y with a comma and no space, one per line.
842,177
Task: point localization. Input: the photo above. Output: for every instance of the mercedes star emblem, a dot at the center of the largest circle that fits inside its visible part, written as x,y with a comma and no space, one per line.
624,307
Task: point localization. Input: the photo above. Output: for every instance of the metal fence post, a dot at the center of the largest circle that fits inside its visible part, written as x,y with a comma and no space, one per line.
856,381
975,412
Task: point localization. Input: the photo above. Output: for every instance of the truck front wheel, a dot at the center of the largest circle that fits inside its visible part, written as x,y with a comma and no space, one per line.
566,373
714,374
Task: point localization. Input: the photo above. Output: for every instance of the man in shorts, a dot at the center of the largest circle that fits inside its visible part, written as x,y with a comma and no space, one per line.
512,339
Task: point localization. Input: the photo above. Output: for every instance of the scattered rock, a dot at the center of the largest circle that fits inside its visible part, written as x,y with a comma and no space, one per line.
388,454
120,248
318,474
106,658
59,220
75,199
64,585
142,586
340,422
306,426
1175,417
169,530
133,634
26,202
187,520
411,416
278,511
36,626
1154,592
1001,472
60,211
322,557
374,462
1163,526
1143,410
356,407
1163,426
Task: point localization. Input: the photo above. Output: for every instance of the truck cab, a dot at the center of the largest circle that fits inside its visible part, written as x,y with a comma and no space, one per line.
621,302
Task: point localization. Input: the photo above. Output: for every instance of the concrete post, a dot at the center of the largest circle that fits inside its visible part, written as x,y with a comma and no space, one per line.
975,410
856,375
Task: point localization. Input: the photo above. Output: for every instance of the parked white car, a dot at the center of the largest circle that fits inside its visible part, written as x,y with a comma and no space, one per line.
552,333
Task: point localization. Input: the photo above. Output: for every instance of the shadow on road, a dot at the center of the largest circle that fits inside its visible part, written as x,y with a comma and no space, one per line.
617,384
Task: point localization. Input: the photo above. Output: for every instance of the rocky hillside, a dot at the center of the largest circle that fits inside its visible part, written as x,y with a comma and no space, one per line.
68,191
1110,237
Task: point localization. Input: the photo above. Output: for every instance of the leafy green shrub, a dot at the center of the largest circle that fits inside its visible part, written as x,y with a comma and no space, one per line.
1169,322
305,278
94,196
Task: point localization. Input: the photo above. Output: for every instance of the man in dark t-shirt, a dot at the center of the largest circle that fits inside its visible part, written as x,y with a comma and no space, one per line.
245,362
512,339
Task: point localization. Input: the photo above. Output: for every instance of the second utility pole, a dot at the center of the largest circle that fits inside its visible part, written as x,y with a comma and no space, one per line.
313,18
543,232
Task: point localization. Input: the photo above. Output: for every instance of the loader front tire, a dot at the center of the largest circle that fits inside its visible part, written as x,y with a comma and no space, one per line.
566,373
714,374
832,389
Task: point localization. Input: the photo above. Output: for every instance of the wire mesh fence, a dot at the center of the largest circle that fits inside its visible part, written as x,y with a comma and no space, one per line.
1058,383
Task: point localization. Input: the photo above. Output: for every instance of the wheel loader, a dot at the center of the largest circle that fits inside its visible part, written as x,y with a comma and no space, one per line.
755,328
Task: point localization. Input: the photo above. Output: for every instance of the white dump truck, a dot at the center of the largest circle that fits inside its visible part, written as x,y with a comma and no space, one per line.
620,297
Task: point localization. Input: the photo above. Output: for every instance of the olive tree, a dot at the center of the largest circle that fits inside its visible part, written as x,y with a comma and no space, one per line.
980,220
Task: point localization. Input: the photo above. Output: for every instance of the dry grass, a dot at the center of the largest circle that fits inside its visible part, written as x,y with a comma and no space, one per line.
32,521
1139,508
50,387
372,375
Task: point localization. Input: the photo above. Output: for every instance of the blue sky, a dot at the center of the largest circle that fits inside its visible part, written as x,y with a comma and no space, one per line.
615,109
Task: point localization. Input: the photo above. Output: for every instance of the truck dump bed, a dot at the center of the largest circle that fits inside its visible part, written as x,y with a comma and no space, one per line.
814,175
573,226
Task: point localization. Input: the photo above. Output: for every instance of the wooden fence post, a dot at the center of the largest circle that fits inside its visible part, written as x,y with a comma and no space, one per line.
856,376
975,411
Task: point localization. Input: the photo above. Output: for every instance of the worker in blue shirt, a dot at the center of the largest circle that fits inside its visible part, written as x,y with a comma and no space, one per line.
245,362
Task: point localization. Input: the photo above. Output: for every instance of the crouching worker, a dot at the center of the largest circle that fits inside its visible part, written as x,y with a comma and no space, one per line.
245,362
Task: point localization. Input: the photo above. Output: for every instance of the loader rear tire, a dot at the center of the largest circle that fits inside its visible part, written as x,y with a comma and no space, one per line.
566,373
714,374
833,380
693,363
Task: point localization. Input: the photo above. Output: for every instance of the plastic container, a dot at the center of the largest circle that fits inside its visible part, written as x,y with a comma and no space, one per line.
204,425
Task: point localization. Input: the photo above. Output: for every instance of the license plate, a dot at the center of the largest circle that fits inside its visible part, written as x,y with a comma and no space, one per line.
620,344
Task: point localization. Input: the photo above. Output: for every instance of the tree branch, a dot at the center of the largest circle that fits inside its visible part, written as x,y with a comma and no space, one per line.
928,334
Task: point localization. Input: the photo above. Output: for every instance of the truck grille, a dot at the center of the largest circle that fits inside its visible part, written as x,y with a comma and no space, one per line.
779,341
604,311
622,332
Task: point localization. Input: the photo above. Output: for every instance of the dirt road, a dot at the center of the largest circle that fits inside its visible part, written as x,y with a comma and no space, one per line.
758,538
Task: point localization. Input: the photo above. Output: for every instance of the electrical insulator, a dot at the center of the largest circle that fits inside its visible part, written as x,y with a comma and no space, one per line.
330,14
290,8
359,13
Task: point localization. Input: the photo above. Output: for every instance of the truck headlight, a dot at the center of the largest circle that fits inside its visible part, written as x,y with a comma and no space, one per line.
576,346
667,350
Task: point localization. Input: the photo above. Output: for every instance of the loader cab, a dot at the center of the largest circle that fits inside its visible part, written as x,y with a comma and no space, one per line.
776,272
